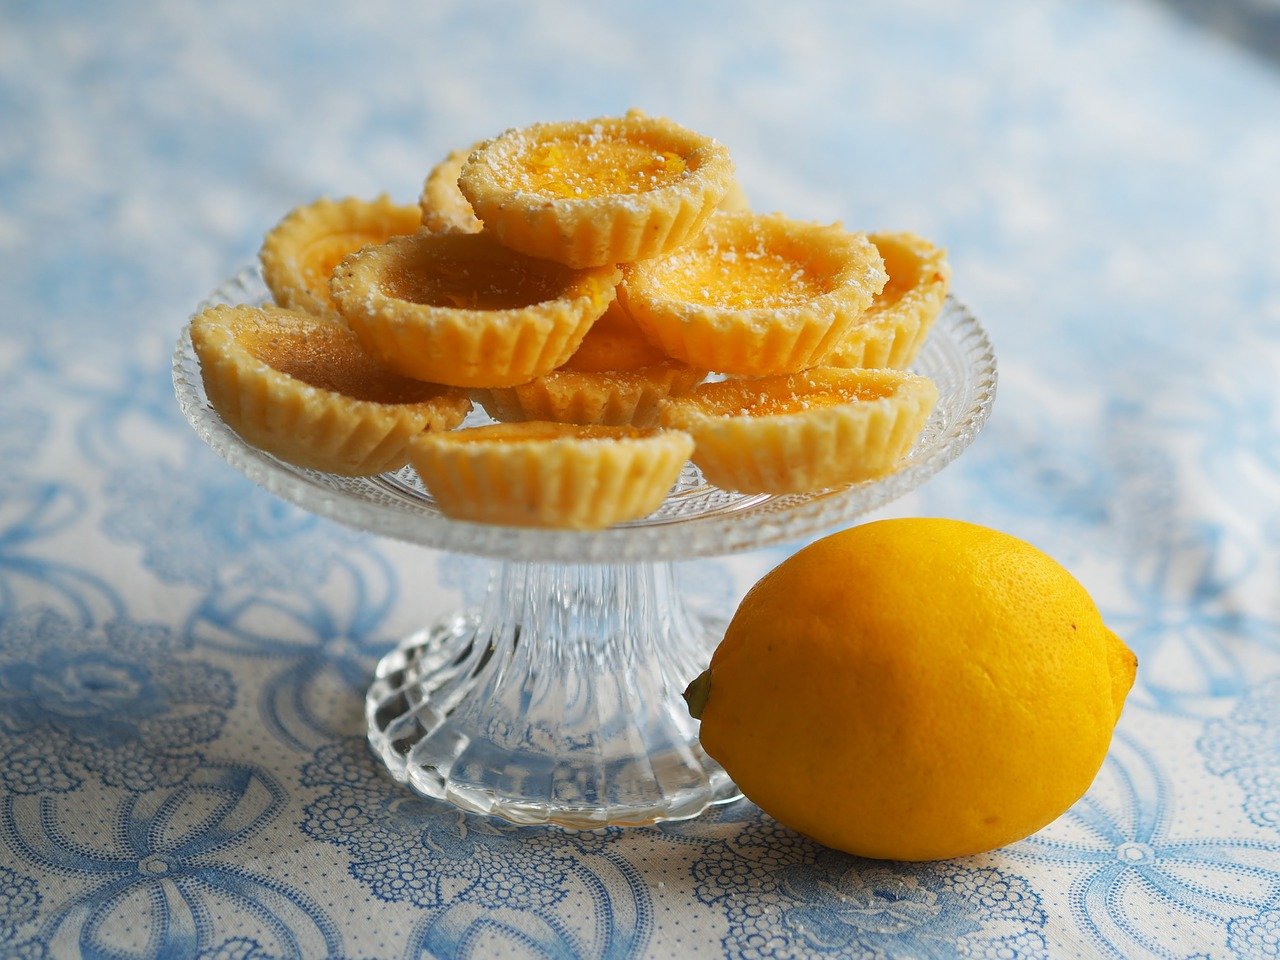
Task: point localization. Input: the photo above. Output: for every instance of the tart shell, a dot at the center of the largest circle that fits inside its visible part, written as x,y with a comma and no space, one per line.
443,206
807,444
539,474
299,254
606,397
608,228
306,424
836,274
894,328
615,377
421,336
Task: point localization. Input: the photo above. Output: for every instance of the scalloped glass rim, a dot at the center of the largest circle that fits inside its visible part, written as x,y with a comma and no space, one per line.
696,520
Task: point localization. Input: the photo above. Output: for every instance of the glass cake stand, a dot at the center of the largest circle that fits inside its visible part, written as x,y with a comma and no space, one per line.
558,700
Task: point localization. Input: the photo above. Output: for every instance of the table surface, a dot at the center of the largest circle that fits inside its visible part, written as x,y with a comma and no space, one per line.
183,657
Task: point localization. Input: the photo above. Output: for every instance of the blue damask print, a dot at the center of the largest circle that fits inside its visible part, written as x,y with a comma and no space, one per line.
1031,475
786,896
1233,423
1132,877
1195,643
19,905
201,523
320,644
32,512
237,948
132,419
1245,746
161,854
409,848
22,430
118,701
1255,937
474,875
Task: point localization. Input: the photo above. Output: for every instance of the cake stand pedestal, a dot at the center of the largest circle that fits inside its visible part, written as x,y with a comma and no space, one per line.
557,701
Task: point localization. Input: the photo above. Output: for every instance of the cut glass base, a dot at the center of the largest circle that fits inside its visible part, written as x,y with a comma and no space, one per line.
558,702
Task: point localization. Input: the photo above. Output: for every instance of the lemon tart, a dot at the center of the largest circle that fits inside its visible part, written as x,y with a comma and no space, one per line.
802,432
754,295
300,387
459,309
596,192
541,474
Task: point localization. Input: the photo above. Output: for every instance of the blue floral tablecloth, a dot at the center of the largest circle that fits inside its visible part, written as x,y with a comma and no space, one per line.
183,658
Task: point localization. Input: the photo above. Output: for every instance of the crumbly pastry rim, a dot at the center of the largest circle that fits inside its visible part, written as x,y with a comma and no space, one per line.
442,204
891,335
603,229
445,208
613,397
284,246
460,346
806,450
298,422
758,341
584,477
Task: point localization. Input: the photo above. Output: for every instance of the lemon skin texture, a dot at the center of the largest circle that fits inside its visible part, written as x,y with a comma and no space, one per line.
916,689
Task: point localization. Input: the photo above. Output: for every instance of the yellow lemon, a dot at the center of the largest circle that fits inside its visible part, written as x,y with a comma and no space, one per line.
914,689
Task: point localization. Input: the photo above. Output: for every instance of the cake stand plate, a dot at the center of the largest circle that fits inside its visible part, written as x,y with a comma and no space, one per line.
558,700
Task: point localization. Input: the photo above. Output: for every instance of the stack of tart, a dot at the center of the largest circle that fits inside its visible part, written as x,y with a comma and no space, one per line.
602,290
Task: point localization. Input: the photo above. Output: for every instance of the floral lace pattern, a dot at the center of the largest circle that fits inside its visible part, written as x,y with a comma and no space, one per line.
183,657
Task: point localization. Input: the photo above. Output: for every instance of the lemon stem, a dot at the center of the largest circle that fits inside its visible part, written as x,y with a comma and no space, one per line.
695,695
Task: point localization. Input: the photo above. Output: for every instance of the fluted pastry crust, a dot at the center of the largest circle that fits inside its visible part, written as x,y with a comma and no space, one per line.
803,432
615,377
539,474
299,254
894,327
443,206
300,387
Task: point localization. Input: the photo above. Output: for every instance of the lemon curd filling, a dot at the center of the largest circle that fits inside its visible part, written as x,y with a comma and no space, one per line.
321,257
329,358
722,275
606,349
592,164
439,277
541,432
773,406
773,397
